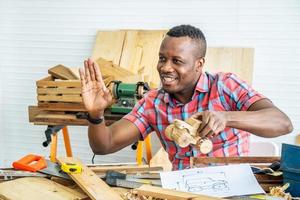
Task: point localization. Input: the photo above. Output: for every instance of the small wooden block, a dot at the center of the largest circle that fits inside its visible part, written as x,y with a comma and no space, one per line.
62,72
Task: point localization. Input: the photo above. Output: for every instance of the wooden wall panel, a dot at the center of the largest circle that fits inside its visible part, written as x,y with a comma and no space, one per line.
236,60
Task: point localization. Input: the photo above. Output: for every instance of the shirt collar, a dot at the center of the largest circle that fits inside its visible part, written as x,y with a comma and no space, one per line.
202,86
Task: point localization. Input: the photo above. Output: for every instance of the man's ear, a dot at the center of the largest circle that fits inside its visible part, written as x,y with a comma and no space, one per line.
199,64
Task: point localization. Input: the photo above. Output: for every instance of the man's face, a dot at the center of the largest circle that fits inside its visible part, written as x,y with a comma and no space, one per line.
179,66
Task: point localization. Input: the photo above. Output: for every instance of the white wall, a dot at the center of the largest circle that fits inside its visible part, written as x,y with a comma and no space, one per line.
35,35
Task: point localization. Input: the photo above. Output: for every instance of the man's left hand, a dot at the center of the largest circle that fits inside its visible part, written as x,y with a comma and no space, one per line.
213,122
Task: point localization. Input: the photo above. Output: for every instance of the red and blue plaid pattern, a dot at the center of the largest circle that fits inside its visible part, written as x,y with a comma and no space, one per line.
218,92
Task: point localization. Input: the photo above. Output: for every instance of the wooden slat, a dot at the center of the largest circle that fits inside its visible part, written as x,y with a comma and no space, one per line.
109,45
32,112
135,168
158,192
89,182
61,106
118,73
227,160
35,188
130,51
62,72
150,42
62,98
60,90
58,119
57,83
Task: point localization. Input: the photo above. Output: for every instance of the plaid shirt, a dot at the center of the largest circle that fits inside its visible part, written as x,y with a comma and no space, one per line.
218,92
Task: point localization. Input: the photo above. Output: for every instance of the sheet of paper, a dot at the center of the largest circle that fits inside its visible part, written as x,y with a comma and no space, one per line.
218,181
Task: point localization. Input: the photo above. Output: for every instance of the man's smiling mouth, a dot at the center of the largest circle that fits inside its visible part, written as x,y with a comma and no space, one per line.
167,79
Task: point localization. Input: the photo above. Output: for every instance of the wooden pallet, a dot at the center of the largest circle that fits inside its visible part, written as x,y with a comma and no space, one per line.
53,93
53,90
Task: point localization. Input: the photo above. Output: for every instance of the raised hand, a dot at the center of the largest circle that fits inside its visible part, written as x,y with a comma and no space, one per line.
213,122
96,97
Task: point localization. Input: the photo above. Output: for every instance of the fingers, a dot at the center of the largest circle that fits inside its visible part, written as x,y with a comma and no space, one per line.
98,77
87,71
82,77
212,124
91,69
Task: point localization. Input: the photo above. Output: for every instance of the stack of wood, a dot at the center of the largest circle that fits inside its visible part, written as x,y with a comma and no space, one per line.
59,97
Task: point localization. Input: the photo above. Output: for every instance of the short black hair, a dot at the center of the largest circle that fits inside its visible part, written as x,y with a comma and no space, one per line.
192,32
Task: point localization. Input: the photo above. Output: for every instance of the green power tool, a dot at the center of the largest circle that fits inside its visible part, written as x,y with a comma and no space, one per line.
127,94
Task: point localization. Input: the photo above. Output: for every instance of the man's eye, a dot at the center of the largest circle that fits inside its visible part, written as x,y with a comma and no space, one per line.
161,59
176,61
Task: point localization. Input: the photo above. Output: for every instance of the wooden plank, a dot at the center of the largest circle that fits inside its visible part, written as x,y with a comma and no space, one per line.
58,119
36,188
32,112
61,106
227,160
58,83
129,51
60,90
62,98
62,72
118,73
134,168
150,41
235,60
89,182
109,45
161,193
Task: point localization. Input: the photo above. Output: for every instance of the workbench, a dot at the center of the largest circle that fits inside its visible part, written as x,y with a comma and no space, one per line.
57,120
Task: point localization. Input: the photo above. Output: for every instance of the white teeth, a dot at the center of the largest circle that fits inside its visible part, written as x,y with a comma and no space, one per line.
168,79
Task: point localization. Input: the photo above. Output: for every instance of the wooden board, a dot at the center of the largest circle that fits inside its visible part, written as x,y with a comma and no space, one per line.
60,98
62,72
36,188
226,160
50,81
127,169
150,42
107,68
158,192
61,106
109,45
89,182
235,60
57,117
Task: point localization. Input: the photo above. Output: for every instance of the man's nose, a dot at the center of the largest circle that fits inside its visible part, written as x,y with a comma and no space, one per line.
166,67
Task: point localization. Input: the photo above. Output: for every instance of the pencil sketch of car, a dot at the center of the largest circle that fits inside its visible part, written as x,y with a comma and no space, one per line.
200,184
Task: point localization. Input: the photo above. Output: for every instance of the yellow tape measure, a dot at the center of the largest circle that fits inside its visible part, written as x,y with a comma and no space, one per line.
71,168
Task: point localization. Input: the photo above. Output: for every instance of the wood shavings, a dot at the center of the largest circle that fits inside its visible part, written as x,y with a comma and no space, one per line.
279,192
131,195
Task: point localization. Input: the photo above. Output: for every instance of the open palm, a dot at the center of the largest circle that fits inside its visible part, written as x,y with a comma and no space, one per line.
96,97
